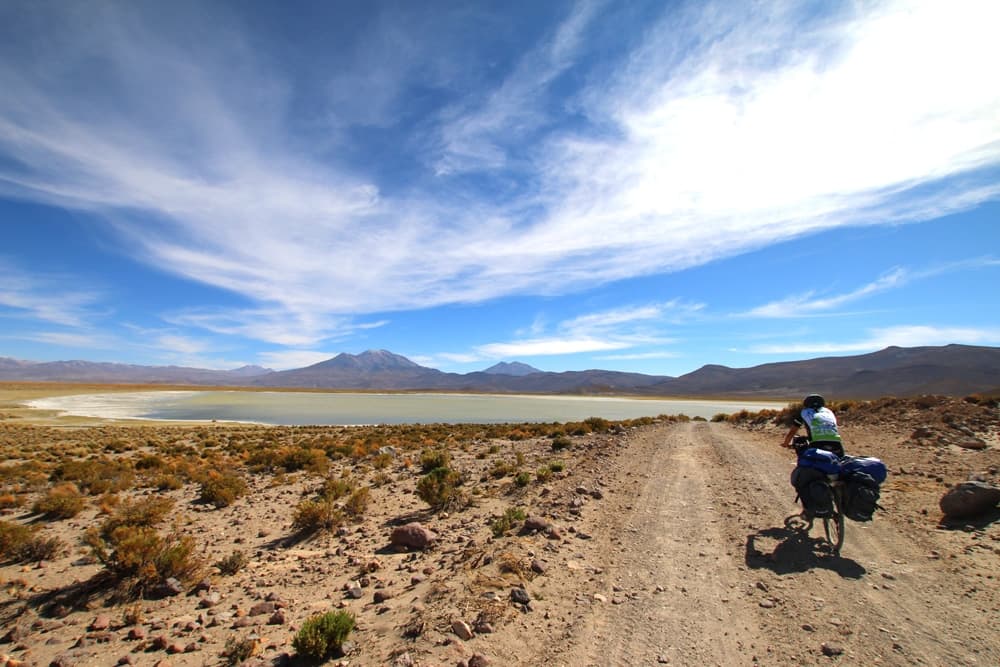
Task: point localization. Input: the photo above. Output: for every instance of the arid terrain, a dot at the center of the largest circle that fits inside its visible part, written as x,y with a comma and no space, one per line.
657,541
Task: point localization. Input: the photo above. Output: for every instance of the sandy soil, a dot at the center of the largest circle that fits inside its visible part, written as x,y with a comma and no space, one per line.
667,546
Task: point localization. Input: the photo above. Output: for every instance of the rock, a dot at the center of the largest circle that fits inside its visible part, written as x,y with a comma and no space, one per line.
832,649
102,622
262,608
538,567
971,443
277,618
171,587
412,535
137,632
478,660
462,629
969,499
520,596
537,523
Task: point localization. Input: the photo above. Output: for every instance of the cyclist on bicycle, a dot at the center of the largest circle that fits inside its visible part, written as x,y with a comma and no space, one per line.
820,423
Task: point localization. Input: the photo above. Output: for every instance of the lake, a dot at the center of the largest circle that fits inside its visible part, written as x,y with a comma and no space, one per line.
293,408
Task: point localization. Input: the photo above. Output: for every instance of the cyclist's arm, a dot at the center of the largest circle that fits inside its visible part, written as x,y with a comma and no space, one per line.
788,436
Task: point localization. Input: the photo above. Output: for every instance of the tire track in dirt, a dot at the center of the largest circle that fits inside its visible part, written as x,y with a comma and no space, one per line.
674,593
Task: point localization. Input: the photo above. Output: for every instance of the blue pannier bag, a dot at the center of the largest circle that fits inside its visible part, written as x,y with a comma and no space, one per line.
820,459
866,464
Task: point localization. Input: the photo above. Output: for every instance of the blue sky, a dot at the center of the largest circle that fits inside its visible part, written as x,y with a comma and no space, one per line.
640,186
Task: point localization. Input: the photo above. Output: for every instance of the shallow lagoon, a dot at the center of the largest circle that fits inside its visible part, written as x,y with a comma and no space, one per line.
293,408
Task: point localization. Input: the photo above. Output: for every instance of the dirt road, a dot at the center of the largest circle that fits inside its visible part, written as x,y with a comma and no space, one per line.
689,563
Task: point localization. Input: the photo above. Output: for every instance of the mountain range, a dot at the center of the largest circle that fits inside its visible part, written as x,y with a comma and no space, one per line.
955,370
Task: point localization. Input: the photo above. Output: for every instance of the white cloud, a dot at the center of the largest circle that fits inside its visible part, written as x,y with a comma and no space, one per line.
810,302
765,129
901,336
662,354
48,298
548,346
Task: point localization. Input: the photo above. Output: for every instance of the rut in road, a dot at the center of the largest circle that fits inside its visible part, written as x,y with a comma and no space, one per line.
680,593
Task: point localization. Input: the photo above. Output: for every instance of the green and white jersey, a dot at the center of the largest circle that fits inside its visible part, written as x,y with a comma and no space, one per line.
821,424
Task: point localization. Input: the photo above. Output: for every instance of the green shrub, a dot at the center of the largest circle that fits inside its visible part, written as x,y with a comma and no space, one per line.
543,474
63,501
430,459
560,443
323,634
439,487
507,521
222,490
557,466
522,478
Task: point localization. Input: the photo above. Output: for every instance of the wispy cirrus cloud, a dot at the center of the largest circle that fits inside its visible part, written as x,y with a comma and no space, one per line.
47,298
901,336
724,129
813,302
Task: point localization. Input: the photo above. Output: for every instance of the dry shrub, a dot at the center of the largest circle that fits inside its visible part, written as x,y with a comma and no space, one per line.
232,563
222,490
25,544
139,560
430,459
357,502
63,501
10,501
312,516
144,512
96,476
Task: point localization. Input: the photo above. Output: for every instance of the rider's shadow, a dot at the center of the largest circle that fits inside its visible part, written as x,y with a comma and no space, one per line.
796,551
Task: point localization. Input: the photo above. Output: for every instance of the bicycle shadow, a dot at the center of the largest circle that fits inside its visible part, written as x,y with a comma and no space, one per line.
796,551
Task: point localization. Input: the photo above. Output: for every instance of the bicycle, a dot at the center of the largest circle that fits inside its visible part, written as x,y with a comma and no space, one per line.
833,525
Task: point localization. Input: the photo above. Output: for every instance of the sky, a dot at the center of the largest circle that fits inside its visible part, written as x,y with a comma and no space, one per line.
635,186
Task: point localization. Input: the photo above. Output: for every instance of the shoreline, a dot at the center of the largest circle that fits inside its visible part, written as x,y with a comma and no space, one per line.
18,402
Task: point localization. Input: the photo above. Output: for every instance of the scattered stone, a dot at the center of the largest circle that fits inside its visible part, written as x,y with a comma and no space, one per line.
171,587
478,660
412,535
832,650
277,618
520,596
969,499
461,629
102,622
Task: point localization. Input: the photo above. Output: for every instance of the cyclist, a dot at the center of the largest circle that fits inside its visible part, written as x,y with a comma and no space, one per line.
820,423
821,427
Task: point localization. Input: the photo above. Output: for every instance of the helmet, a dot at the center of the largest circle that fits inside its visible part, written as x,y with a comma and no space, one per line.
814,401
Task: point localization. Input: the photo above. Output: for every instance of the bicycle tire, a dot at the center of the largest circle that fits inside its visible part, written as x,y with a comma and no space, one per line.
833,526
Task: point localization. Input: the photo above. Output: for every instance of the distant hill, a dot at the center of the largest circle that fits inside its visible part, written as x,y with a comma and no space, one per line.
954,370
102,372
511,368
895,371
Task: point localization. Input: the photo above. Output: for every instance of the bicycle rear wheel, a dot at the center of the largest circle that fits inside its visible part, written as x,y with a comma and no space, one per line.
834,528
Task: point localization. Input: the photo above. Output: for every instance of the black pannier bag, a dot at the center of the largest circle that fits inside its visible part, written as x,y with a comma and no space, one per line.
814,491
861,494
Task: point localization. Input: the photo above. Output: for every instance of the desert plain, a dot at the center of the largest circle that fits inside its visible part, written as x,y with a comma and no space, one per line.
656,541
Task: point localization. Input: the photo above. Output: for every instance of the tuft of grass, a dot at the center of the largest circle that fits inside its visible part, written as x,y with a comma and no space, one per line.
522,478
138,559
357,502
323,634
